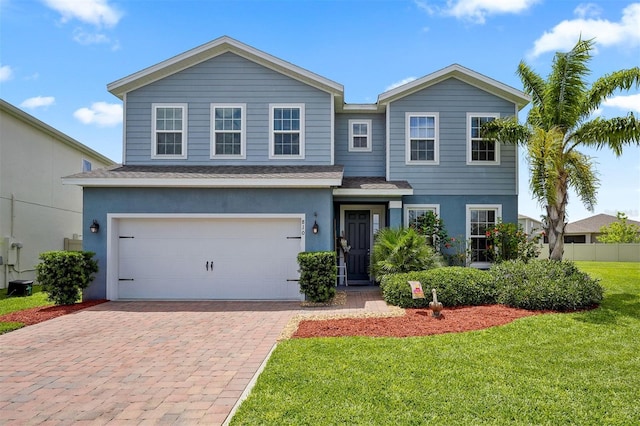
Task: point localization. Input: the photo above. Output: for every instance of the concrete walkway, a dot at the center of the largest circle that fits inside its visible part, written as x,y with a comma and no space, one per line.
145,362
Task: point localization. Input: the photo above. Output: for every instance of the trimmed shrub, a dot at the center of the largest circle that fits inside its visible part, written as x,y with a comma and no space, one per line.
64,274
455,286
318,274
397,250
545,284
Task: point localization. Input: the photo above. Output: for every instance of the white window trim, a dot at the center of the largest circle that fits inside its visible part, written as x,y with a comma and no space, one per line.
86,162
272,155
351,136
471,162
185,121
408,207
469,207
407,144
243,132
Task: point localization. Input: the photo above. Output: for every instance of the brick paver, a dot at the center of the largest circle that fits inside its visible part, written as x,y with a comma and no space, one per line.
143,362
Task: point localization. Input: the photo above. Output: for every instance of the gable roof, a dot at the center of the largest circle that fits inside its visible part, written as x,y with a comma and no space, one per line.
593,224
215,48
461,73
56,134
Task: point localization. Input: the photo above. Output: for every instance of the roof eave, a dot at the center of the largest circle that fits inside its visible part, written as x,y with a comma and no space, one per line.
201,182
359,192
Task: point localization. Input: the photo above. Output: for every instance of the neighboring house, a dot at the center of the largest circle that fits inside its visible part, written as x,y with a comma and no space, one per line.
235,161
587,230
531,226
37,212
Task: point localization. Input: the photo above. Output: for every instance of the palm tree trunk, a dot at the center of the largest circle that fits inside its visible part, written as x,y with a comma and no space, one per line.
556,222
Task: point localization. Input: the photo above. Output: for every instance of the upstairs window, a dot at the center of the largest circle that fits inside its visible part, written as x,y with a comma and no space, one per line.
422,138
228,134
287,131
360,135
479,150
86,165
481,219
169,131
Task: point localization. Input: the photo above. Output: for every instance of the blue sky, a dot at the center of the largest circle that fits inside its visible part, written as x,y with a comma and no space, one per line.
57,56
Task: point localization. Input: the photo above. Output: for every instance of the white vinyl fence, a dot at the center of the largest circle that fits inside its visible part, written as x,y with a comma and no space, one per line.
597,252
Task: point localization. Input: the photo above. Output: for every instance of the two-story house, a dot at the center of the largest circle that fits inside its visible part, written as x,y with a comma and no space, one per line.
235,161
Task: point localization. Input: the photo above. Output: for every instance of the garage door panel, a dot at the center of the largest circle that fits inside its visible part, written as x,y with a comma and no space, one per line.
208,258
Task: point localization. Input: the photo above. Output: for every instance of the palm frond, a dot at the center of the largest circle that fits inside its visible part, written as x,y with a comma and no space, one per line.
506,130
566,86
609,84
582,178
534,85
545,156
613,133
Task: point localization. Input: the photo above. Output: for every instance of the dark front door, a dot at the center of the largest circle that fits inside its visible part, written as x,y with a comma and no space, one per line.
358,229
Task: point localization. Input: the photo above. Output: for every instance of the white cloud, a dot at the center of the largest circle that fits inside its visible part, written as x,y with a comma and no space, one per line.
588,25
628,103
38,102
478,10
85,38
399,83
95,12
6,73
101,113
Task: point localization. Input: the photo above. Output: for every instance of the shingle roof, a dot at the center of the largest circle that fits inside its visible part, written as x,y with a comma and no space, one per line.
212,172
593,224
210,177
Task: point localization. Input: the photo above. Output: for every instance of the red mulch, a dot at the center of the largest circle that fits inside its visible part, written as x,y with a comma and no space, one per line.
416,322
43,313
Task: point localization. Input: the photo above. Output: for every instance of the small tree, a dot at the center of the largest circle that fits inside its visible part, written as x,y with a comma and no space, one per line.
63,274
620,231
432,227
508,241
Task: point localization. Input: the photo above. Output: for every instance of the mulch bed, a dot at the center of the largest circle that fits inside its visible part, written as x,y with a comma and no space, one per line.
44,313
415,322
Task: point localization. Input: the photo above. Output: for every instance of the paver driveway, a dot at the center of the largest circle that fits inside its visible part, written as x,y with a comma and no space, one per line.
137,362
146,362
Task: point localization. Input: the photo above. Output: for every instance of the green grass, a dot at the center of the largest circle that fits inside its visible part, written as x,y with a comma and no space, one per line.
579,368
18,303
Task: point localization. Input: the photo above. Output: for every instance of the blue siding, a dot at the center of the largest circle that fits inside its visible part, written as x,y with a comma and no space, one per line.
453,208
361,163
99,202
452,99
228,78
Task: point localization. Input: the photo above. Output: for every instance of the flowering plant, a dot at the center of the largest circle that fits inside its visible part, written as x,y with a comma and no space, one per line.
507,241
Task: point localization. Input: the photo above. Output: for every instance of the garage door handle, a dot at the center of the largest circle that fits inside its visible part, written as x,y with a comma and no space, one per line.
207,265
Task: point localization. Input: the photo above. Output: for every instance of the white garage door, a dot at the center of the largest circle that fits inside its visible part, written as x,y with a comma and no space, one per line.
213,258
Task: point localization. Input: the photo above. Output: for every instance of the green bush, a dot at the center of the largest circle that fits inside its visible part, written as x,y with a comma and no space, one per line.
545,284
397,250
455,286
318,274
63,274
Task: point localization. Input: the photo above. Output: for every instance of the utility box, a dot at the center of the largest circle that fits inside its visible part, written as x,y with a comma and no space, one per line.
20,288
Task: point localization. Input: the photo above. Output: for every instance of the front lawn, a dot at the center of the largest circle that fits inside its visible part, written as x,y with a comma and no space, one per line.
18,303
578,368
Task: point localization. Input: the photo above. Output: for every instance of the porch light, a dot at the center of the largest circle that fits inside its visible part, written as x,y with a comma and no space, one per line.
95,227
315,229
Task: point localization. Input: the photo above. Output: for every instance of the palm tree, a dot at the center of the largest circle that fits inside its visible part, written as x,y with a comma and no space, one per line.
559,122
